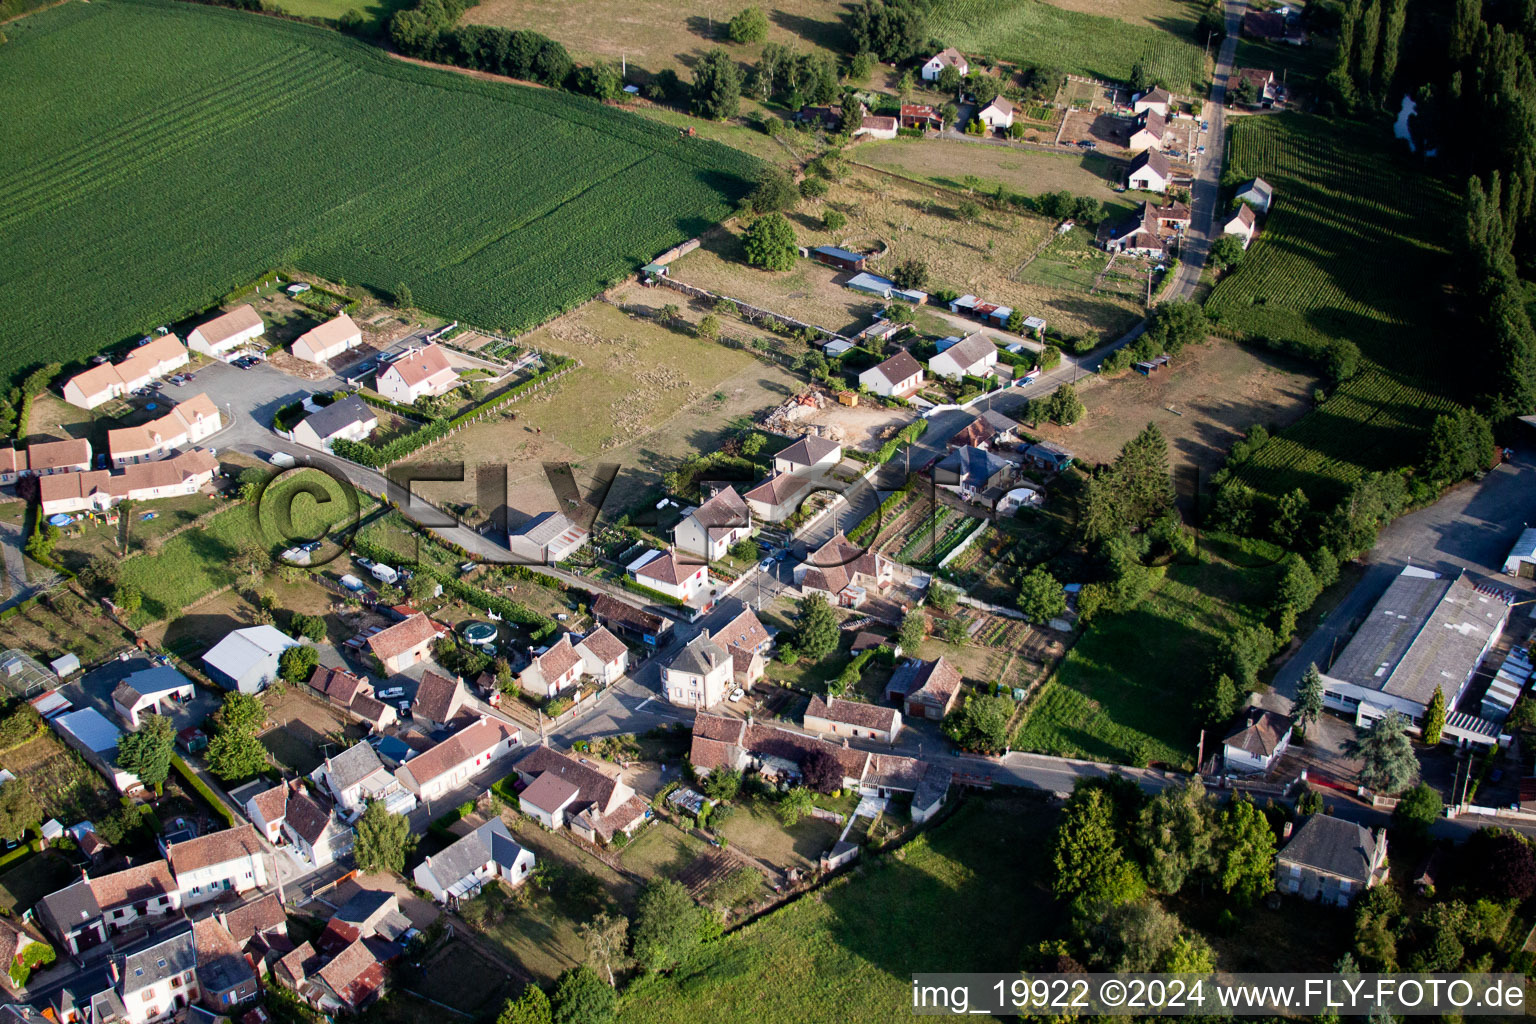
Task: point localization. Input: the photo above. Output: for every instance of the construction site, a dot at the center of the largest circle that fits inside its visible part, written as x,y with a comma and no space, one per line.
850,419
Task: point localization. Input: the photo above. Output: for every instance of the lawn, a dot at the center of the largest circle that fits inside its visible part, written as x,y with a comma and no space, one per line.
983,256
948,162
32,879
754,829
662,850
496,204
1125,691
78,627
1032,32
645,397
196,562
964,896
1354,248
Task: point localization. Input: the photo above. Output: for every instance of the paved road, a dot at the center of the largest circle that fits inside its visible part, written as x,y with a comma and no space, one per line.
1471,528
15,565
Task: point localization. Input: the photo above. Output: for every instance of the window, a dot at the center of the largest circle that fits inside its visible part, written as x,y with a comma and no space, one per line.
175,983
147,997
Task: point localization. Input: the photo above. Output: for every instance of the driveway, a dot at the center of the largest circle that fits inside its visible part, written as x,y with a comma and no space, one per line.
1471,528
15,566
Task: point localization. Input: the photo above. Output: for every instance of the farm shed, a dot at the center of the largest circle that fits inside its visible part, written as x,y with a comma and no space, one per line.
842,259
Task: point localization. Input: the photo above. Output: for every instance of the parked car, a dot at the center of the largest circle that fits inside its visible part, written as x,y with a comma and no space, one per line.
393,693
1205,126
364,563
189,377
1199,149
738,693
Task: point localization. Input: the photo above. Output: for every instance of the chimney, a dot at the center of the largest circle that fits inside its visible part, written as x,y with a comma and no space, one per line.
83,876
845,742
1285,832
112,970
749,719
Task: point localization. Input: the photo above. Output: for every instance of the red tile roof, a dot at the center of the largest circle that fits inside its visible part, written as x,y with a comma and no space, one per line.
402,636
214,848
465,745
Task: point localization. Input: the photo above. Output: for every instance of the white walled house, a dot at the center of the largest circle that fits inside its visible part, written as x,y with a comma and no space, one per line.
1149,172
949,57
1259,740
222,335
666,573
603,656
106,381
191,422
350,419
710,530
898,376
852,718
160,981
1157,99
556,670
327,341
460,871
700,675
425,371
100,489
211,865
975,355
997,115
357,775
1241,223
454,761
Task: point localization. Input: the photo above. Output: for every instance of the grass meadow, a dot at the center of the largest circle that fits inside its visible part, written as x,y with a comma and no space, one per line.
1124,691
964,896
136,199
1354,248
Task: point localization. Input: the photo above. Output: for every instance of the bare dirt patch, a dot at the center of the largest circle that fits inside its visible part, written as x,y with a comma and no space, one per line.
1212,394
865,426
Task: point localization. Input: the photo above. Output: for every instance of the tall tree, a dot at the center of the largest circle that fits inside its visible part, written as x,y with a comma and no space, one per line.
1434,718
669,926
1176,834
770,243
1041,597
1308,706
716,86
234,752
383,840
816,632
19,809
1389,764
605,937
1090,865
1245,851
581,997
147,751
532,1007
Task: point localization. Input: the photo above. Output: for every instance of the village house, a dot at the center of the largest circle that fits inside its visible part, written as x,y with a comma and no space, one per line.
710,530
949,57
150,691
1332,860
877,127
312,830
971,472
159,981
698,676
267,809
1147,132
421,372
247,659
145,363
347,982
439,698
221,336
1138,235
1156,99
989,429
997,115
327,341
460,871
974,356
437,772
554,671
191,422
367,914
49,458
797,470
212,865
406,643
898,376
623,618
747,642
600,807
349,419
549,538
225,979
921,116
667,573
355,694
1149,172
1260,83
844,573
358,775
1259,739
100,489
927,689
852,718
1048,456
88,914
1256,193
260,927
1273,26
1241,223
603,656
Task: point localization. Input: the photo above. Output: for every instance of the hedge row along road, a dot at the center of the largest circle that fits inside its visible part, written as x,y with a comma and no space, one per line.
208,145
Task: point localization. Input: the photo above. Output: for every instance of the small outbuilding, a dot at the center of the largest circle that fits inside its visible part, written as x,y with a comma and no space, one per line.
1521,560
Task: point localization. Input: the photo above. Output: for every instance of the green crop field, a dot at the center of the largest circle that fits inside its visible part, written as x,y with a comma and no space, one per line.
208,145
1034,32
965,896
1352,249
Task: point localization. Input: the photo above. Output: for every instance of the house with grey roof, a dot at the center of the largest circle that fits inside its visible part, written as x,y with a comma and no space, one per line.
350,419
699,675
357,775
1332,860
158,981
312,829
1427,632
709,530
1259,739
1256,193
487,853
970,471
547,539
